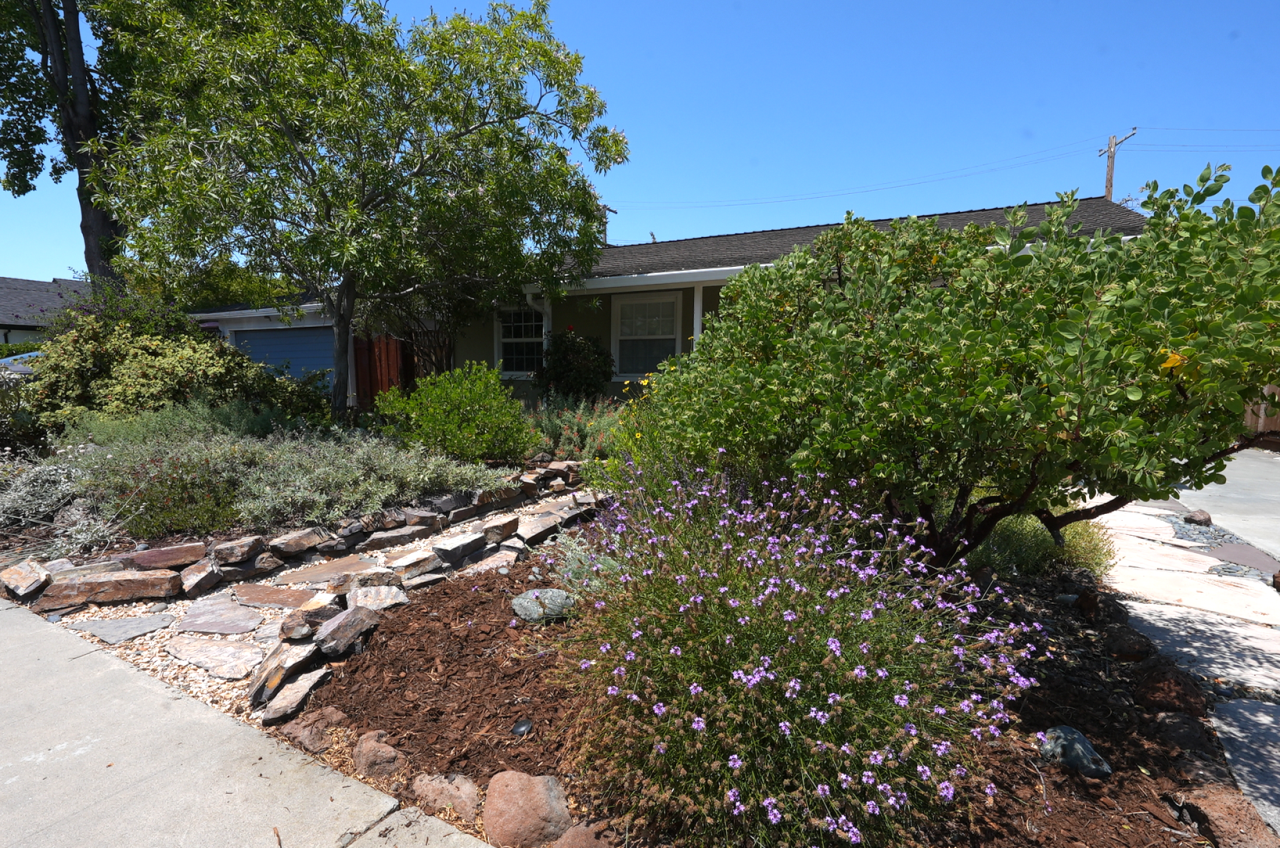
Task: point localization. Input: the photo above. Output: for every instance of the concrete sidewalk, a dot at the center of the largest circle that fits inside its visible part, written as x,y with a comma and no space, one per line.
96,753
1248,504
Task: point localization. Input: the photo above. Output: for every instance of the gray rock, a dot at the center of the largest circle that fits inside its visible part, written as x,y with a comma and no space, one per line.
228,660
113,631
284,659
415,563
158,606
448,503
538,605
342,631
269,633
536,529
394,538
376,576
1198,517
298,541
1067,746
101,566
201,577
456,548
377,597
289,700
25,578
393,518
54,566
218,614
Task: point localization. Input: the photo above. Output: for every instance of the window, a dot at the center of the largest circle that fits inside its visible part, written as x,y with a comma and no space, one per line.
520,335
645,331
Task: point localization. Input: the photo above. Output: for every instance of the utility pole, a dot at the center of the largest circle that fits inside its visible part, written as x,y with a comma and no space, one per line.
1110,150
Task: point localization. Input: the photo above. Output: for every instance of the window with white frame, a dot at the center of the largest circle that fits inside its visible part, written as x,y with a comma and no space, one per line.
520,340
646,328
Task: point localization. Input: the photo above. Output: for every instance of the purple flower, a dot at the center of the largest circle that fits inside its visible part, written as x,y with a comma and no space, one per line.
659,709
946,791
604,649
620,671
990,790
860,672
612,690
823,790
629,656
735,762
873,808
675,651
833,698
900,700
586,664
833,645
793,688
699,724
785,727
695,689
924,772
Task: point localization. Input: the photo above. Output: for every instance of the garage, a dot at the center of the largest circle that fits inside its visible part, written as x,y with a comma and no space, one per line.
298,350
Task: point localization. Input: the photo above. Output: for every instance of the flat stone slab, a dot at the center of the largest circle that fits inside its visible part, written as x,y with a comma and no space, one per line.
298,541
323,572
113,631
173,557
377,597
284,658
455,548
1124,521
293,695
1214,645
396,538
109,587
1142,553
219,614
1251,600
1246,555
228,660
1250,734
274,597
412,828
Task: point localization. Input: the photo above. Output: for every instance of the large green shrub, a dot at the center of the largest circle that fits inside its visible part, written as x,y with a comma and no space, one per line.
780,671
20,428
577,430
574,366
970,376
465,413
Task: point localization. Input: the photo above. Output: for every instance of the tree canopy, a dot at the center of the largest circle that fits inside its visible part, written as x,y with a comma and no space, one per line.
321,142
963,377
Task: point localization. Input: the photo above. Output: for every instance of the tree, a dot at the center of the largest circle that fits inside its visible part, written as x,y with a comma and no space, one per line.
319,141
965,377
52,94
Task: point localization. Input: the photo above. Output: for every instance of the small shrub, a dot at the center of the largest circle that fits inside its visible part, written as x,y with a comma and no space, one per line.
781,671
574,366
465,413
37,493
577,430
20,428
1021,545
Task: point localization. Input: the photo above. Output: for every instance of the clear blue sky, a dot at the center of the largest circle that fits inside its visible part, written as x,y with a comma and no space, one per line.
736,108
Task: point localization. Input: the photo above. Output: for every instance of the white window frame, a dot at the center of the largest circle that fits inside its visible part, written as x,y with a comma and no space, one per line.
615,328
498,340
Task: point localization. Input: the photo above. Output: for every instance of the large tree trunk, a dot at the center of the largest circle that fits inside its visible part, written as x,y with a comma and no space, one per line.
343,307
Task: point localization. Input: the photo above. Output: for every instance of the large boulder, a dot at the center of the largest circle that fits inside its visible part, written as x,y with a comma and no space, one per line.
525,812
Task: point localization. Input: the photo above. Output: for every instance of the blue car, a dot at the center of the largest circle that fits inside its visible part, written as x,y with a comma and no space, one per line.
16,365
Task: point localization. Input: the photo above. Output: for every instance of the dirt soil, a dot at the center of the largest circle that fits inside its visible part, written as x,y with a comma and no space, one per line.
448,678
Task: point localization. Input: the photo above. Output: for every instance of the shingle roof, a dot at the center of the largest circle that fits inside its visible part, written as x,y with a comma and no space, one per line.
1094,213
29,303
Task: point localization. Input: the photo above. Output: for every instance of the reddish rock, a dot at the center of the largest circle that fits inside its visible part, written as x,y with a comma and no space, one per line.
500,528
284,658
525,812
422,518
1166,688
373,758
25,578
308,731
108,588
1226,818
1199,517
276,597
298,541
586,836
171,557
239,550
289,700
395,538
324,571
457,791
201,577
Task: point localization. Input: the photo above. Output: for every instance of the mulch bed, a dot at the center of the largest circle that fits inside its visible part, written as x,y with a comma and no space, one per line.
448,678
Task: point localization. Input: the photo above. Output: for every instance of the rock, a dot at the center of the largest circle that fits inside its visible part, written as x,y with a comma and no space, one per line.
448,503
525,812
517,546
54,566
109,587
536,529
308,731
176,556
102,566
343,630
322,601
301,623
351,527
556,486
298,541
1128,645
273,597
394,538
377,576
393,518
1198,517
1226,818
422,580
415,563
529,485
341,543
218,614
200,577
294,628
1067,746
422,518
1164,687
25,578
560,469
263,563
374,758
239,550
268,633
284,658
228,660
586,836
462,514
370,523
158,606
376,597
293,695
113,631
497,529
542,457
454,549
457,791
538,605
585,499
500,560
325,571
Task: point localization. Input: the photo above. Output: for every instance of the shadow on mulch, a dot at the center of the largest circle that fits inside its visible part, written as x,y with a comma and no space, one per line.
448,678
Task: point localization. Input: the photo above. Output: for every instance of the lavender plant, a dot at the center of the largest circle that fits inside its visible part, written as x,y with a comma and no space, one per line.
782,670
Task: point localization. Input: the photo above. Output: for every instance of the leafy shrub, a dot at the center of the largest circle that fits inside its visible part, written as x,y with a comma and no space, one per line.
19,426
576,430
16,348
574,366
781,671
1021,545
1005,370
465,413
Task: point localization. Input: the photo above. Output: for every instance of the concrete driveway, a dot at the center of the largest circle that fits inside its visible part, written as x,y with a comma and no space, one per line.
1248,504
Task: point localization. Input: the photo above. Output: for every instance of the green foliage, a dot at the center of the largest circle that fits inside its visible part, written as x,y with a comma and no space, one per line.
997,371
574,366
19,427
37,492
778,671
578,430
142,313
326,146
7,350
465,413
1021,545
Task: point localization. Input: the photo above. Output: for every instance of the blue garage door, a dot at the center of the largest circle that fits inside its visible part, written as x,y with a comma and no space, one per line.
302,349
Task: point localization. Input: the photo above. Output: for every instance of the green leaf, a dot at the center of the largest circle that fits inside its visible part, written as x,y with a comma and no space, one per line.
1133,393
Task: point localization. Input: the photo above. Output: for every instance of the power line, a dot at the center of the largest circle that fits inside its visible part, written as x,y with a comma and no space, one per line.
1205,129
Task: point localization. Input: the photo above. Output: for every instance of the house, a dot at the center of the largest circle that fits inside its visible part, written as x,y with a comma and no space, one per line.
648,301
25,306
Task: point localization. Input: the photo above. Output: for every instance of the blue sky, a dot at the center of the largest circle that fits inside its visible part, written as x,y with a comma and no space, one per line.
747,115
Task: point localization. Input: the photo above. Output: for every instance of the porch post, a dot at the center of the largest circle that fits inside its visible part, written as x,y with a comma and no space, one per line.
697,313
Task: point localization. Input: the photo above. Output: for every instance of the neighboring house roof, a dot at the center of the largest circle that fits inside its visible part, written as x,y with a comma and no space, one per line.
738,249
30,303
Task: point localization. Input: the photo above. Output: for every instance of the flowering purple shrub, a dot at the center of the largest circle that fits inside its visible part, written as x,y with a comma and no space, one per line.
781,670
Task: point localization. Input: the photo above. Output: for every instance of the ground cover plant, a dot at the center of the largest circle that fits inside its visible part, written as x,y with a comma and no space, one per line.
966,377
781,670
577,430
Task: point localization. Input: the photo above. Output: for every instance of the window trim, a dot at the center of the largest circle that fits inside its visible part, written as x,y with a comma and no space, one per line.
498,340
675,296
